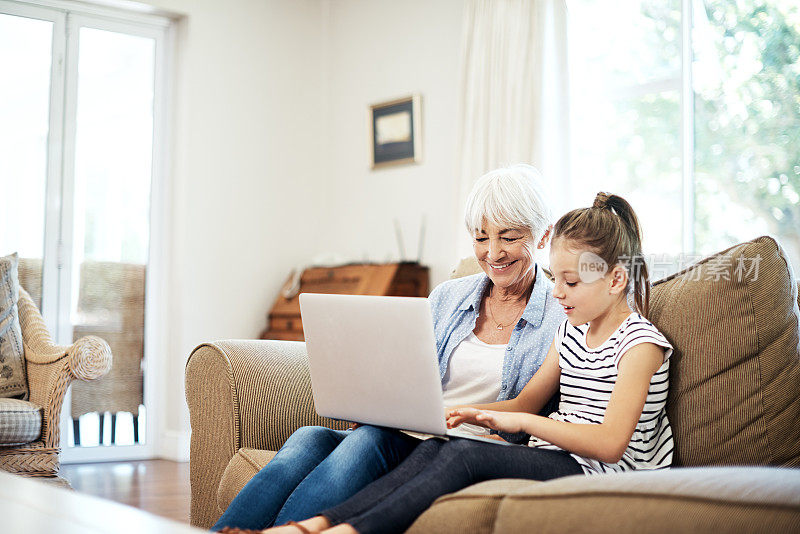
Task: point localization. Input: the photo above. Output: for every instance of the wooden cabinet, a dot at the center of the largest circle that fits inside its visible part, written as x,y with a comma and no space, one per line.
391,279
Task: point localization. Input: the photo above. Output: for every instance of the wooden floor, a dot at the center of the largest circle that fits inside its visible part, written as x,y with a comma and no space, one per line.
160,487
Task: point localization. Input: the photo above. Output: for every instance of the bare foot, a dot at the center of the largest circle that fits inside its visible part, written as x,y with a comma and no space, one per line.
341,528
284,529
315,524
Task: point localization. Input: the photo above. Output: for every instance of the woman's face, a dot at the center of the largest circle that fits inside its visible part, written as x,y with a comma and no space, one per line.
506,256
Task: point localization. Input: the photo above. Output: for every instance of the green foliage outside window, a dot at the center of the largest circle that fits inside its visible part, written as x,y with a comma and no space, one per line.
747,119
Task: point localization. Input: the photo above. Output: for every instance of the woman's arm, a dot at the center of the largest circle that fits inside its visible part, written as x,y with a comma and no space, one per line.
606,441
531,399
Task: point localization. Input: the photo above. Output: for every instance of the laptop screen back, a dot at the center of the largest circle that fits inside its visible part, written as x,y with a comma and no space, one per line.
373,360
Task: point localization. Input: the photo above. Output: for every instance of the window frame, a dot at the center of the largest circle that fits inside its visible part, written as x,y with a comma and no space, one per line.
68,18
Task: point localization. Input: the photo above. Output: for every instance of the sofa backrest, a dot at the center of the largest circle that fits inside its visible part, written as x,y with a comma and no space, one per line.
735,374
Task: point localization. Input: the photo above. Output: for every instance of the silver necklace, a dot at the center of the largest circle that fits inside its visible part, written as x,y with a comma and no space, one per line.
491,315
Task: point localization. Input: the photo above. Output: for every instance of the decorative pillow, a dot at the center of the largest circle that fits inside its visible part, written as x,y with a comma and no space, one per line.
20,422
13,382
734,394
466,266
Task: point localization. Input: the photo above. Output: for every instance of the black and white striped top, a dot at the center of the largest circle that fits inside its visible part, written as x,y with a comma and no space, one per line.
587,380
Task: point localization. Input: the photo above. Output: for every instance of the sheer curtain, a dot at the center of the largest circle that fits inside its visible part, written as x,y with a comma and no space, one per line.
514,88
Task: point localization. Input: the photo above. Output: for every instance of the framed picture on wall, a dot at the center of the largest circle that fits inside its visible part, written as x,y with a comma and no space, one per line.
395,131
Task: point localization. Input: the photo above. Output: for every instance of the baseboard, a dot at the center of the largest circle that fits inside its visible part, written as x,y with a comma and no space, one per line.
174,445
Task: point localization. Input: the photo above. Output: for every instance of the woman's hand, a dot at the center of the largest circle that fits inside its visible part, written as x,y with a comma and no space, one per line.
510,422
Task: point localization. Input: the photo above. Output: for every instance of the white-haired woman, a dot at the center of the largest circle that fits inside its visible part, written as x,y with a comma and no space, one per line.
492,331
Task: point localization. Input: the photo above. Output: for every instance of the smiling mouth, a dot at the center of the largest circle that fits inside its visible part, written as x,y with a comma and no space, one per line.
569,308
501,267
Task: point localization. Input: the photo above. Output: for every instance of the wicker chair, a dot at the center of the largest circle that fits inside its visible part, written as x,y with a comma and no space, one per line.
50,369
111,303
111,299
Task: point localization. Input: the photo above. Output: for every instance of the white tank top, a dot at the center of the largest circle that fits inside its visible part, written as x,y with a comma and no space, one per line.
473,376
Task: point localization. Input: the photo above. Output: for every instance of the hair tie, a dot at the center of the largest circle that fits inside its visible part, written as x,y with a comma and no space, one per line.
601,200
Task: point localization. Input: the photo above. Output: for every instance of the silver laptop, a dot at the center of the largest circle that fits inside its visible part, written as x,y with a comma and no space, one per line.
373,361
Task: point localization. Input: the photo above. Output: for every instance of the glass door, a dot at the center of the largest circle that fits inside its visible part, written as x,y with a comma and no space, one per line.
112,91
27,49
80,145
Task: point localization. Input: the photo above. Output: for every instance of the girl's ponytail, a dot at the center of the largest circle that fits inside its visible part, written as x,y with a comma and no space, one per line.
611,229
637,267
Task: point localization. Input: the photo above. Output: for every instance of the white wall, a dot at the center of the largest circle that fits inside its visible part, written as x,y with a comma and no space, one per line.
270,157
379,50
243,180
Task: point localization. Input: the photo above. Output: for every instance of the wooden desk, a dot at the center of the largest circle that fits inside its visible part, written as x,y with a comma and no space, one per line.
35,507
390,279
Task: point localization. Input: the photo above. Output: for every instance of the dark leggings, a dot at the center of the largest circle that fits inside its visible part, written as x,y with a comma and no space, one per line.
435,468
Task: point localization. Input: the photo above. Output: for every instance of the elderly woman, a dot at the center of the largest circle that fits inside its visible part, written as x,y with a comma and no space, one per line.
492,333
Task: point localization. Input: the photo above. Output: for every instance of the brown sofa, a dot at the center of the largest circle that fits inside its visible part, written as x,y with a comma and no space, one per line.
734,405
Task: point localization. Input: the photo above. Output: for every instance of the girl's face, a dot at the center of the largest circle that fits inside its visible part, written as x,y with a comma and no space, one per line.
584,286
505,255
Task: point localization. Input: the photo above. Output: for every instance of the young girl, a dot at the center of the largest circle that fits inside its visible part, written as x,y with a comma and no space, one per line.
610,364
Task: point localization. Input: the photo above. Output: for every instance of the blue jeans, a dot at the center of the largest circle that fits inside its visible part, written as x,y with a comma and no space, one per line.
315,469
392,503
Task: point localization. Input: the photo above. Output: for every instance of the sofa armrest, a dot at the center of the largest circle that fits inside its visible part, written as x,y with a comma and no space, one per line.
242,394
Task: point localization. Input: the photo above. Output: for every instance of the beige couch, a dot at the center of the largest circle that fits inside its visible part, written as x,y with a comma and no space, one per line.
734,406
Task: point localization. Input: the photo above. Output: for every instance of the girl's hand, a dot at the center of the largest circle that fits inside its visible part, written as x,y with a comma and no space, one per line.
447,412
510,422
456,416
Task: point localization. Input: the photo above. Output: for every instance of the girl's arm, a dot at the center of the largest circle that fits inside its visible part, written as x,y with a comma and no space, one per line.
606,441
531,399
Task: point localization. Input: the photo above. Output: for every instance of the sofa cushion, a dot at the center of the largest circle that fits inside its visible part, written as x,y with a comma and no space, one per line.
13,382
474,507
242,467
20,422
735,375
701,500
466,266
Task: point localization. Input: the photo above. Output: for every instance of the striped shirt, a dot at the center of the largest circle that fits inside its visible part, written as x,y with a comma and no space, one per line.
587,380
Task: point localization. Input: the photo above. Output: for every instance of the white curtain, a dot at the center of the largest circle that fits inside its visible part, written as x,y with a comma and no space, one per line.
513,102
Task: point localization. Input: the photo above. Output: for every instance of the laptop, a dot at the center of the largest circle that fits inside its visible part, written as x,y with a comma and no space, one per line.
373,361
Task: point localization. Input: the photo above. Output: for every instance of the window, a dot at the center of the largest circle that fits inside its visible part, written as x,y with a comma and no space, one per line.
81,141
24,124
691,110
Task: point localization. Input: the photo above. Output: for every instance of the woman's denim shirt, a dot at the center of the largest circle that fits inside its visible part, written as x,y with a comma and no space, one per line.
455,305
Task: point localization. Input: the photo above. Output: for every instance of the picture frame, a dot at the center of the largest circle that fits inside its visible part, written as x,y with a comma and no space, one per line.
395,128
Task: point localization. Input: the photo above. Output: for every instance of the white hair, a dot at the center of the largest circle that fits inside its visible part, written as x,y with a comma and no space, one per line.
513,197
